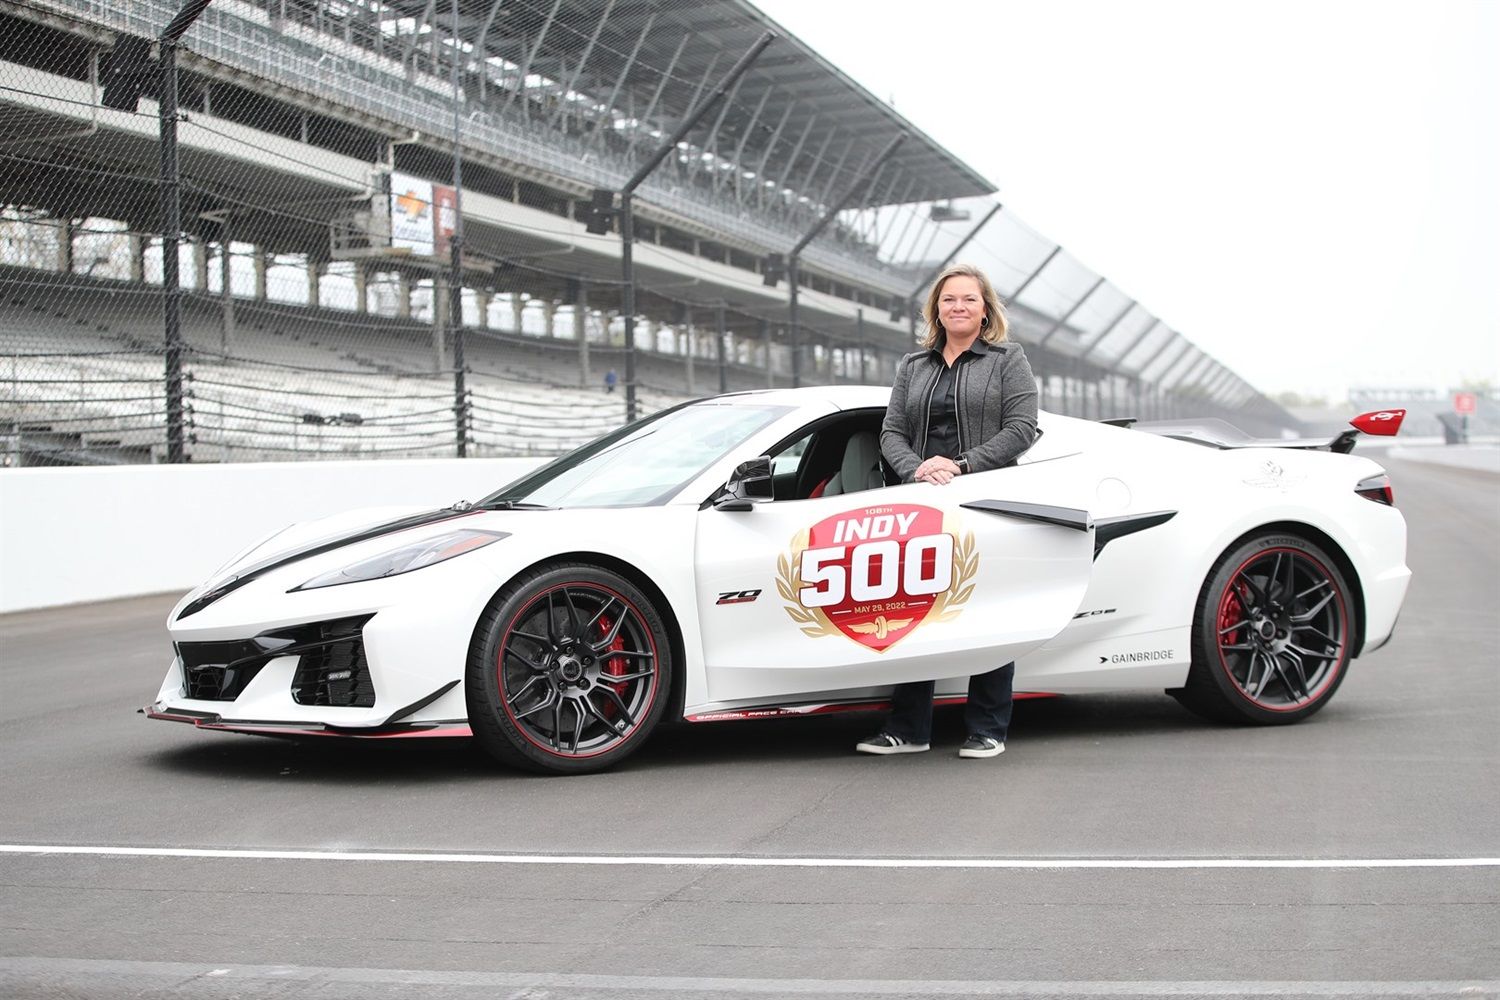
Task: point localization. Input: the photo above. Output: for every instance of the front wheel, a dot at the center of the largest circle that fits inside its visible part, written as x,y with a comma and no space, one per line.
569,671
1272,633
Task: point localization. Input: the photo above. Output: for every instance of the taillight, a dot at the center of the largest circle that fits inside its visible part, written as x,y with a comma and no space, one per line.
1377,488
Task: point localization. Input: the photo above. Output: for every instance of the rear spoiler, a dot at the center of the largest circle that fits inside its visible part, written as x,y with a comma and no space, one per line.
1223,435
1381,423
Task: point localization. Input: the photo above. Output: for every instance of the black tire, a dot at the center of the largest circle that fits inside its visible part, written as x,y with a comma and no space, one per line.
1272,633
569,672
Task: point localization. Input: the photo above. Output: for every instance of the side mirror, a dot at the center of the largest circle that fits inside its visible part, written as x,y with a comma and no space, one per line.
751,481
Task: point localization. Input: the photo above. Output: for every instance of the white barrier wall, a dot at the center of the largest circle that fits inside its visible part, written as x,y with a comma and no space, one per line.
88,534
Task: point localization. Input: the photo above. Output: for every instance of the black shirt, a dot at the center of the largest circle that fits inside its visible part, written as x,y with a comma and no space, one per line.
942,409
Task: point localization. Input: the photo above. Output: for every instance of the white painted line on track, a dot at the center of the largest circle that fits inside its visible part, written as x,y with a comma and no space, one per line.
742,861
319,979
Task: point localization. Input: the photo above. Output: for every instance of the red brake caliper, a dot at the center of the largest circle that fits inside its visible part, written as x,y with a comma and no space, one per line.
615,665
1231,613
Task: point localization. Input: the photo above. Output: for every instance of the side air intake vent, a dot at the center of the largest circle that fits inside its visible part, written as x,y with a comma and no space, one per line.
333,670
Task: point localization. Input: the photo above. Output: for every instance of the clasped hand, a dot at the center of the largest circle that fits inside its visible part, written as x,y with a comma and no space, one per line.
937,470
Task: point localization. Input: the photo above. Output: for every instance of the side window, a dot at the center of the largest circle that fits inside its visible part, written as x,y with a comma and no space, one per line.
813,464
786,464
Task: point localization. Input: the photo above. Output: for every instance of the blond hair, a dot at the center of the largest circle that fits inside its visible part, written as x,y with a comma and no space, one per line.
994,326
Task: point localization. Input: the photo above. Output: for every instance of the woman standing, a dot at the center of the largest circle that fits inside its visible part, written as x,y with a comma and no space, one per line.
964,403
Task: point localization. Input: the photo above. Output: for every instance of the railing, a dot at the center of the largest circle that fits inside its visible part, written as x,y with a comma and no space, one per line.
255,49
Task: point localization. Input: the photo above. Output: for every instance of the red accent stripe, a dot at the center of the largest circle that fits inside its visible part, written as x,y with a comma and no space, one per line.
500,680
1333,672
416,731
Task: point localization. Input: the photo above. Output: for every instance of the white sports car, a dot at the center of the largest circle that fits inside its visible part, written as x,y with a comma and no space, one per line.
743,556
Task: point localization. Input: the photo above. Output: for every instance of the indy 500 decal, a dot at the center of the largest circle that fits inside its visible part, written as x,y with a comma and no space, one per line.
875,574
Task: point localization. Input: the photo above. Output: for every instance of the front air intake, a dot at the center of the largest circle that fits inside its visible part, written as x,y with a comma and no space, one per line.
333,669
219,671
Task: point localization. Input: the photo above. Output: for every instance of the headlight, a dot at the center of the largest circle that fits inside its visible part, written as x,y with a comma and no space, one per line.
427,552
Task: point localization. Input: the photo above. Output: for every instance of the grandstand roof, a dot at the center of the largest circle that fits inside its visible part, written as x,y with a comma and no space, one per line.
652,60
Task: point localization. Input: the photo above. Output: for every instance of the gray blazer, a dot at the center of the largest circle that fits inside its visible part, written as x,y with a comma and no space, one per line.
996,404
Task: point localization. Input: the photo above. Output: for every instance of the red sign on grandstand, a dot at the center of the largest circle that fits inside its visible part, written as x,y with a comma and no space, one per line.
444,216
1463,403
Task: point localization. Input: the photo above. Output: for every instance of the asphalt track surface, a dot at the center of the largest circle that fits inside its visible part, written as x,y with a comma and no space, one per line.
1400,768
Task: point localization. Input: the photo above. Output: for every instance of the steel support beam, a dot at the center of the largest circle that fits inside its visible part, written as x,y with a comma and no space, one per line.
710,145
588,50
1187,381
859,338
792,266
906,199
739,150
833,177
1063,319
627,214
1201,379
796,153
1209,382
479,46
408,59
666,77
456,264
760,168
171,227
1140,338
931,239
1033,275
1220,383
530,57
722,326
1174,338
635,50
702,83
912,296
1108,330
1171,366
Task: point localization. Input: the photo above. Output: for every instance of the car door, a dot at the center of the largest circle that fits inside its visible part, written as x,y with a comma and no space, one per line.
910,582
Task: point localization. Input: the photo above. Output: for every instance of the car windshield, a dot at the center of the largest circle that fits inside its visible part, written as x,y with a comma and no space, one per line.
641,464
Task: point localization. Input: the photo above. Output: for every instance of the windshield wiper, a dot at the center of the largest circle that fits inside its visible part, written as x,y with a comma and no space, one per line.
505,505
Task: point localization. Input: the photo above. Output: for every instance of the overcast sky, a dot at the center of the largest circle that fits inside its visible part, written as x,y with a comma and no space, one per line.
1306,190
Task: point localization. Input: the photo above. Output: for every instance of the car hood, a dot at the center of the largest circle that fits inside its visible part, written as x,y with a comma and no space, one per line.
310,538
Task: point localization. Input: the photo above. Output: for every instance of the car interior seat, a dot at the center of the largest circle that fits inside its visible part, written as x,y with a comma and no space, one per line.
860,469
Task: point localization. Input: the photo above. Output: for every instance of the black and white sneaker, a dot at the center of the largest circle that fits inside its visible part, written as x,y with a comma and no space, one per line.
884,743
981,746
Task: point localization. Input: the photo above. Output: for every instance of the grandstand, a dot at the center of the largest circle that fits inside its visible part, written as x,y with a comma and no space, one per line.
330,153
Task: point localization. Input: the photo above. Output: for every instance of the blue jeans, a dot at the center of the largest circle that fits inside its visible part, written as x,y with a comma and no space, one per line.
986,714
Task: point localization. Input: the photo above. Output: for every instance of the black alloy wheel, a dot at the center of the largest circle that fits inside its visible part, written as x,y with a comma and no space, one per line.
569,672
1272,635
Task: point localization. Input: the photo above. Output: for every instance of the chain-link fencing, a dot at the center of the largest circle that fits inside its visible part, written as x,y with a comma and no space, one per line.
256,230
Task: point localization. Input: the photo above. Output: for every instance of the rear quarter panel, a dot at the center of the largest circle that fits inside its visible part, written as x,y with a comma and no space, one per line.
1135,621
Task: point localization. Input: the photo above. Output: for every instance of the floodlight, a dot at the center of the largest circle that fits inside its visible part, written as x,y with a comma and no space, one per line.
601,212
773,269
125,72
947,213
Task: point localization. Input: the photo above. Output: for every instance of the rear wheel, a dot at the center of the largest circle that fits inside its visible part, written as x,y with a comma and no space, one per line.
569,671
1272,633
